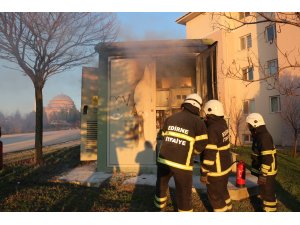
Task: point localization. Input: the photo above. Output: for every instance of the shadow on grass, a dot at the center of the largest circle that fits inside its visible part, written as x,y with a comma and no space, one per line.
142,199
78,199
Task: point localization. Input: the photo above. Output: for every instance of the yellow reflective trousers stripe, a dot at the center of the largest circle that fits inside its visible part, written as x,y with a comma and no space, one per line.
224,209
179,210
270,209
160,199
174,164
270,203
228,201
214,147
160,206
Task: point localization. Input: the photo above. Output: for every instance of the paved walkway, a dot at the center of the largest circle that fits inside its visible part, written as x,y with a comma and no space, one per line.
86,175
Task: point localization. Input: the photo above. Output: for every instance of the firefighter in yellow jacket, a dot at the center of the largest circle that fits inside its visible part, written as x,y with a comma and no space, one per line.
216,159
184,135
264,162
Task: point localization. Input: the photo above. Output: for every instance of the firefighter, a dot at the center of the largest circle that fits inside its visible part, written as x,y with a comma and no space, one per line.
184,136
264,162
216,158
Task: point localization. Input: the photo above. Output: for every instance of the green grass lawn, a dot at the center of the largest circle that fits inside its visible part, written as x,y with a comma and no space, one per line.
26,188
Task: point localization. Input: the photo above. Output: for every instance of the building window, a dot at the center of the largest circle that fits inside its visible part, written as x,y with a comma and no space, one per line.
275,104
248,73
246,41
247,138
243,15
248,106
272,67
270,33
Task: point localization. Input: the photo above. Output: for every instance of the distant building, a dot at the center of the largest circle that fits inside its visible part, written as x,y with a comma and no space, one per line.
59,103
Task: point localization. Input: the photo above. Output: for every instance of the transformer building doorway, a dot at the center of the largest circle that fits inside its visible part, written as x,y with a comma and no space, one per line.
175,79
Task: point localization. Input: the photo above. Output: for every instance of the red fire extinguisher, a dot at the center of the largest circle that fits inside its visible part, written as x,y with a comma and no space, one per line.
240,174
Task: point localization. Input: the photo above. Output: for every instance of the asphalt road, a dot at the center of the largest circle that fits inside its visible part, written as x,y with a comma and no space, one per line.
16,142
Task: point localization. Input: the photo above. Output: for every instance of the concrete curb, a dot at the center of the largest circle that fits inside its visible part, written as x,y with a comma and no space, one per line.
86,176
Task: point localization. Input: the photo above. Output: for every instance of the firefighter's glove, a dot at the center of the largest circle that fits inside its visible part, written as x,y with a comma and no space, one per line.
262,180
204,179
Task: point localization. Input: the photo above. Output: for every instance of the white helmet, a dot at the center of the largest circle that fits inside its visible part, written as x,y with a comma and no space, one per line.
214,107
255,119
194,99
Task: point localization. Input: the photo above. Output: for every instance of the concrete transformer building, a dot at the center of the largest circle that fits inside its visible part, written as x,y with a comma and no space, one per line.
135,87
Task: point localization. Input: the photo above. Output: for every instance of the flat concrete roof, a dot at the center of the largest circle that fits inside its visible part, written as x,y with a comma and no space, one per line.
155,47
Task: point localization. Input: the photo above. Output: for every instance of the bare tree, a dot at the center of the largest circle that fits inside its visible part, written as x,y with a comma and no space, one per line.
232,21
280,18
290,111
236,120
44,44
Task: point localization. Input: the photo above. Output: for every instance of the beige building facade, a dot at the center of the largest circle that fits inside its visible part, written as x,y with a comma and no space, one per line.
245,57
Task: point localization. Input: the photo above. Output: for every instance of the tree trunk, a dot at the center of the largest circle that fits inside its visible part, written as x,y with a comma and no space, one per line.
38,157
295,144
235,140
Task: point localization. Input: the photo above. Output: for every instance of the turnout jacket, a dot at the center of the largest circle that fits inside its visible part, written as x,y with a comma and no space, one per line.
184,135
263,155
216,158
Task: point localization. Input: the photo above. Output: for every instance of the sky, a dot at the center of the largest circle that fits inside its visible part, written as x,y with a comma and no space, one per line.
139,20
17,91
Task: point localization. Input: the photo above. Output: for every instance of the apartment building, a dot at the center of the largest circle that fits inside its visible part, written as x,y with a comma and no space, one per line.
246,55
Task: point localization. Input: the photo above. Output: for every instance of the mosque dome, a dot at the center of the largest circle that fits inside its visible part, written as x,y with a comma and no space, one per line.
58,103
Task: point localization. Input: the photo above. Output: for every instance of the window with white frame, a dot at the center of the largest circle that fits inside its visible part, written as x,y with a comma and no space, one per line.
247,73
270,33
242,15
246,42
247,138
275,104
248,106
272,67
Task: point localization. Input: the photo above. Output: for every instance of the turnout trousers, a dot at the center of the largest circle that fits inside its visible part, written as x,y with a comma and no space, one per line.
218,194
183,187
267,194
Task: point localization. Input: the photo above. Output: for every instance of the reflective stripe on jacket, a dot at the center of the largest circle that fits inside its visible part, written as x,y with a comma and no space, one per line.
216,159
264,152
184,135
